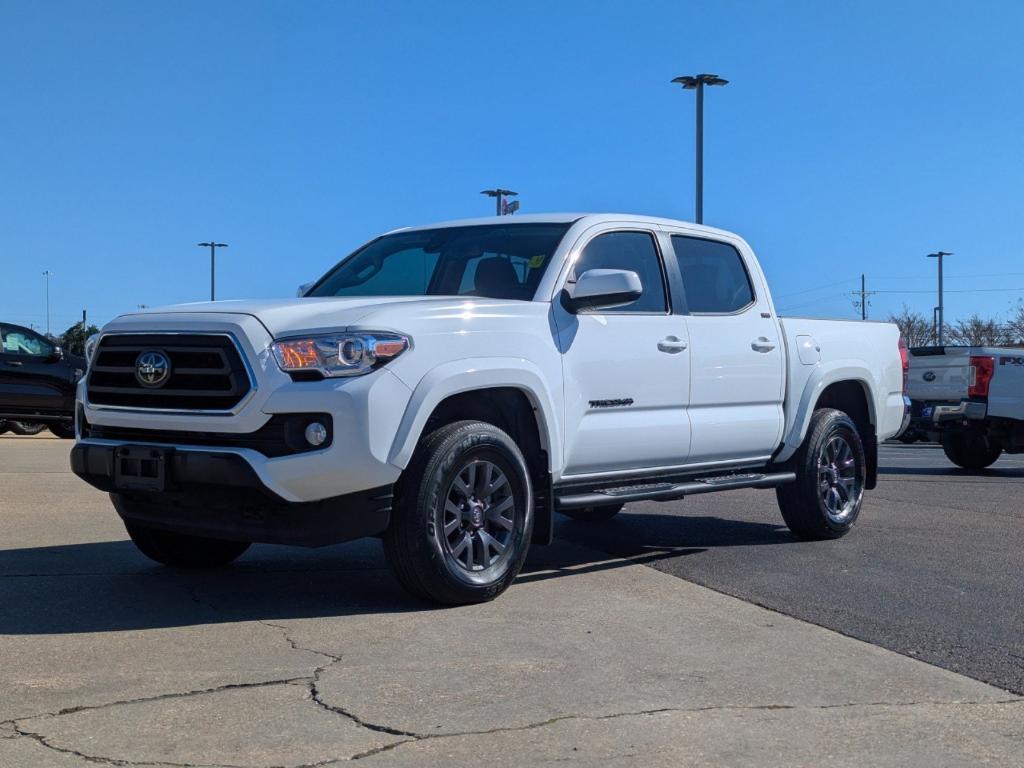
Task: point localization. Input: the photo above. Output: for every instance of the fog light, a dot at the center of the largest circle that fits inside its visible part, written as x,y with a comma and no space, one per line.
316,434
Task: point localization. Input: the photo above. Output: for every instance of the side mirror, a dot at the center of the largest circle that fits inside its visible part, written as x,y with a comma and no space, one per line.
603,289
303,288
56,353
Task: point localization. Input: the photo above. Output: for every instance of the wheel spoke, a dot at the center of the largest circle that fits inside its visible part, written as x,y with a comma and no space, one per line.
493,543
450,528
461,486
496,482
499,519
459,548
483,479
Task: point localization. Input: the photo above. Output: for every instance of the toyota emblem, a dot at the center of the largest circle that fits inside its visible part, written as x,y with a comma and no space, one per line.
928,376
152,369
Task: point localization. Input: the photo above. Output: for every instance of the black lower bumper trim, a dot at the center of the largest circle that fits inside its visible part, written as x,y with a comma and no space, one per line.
220,495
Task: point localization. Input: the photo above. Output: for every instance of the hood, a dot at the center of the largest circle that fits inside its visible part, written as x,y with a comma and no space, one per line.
286,317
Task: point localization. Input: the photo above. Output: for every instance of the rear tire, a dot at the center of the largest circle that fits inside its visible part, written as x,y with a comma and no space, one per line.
26,427
825,499
463,515
63,429
3,426
180,550
593,514
971,449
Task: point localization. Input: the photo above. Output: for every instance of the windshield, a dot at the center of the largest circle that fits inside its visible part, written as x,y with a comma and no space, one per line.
495,261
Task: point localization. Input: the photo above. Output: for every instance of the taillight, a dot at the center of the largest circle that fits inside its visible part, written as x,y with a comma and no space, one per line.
982,369
905,359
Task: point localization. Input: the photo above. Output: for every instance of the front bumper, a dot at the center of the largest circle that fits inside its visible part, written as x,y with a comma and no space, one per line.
220,495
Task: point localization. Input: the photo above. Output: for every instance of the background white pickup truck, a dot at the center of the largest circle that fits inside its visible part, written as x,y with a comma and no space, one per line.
450,387
970,398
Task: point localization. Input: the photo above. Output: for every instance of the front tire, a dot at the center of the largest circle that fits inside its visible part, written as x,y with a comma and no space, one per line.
463,515
26,427
181,550
971,449
825,499
63,429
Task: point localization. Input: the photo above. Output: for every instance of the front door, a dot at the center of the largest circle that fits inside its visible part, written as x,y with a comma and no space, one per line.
31,374
626,370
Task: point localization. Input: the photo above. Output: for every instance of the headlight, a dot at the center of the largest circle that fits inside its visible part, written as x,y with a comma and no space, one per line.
339,354
90,347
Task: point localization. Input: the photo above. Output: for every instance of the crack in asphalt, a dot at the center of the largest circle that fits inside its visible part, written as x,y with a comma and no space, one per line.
17,729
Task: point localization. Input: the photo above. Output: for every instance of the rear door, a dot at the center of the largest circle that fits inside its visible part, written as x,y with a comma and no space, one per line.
737,374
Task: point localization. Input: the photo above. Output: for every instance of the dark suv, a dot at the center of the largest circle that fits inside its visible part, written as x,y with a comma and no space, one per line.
37,380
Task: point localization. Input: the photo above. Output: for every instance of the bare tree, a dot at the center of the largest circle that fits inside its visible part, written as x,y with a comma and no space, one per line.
914,327
973,331
1015,327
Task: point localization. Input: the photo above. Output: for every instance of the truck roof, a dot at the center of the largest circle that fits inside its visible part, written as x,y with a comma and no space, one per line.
566,218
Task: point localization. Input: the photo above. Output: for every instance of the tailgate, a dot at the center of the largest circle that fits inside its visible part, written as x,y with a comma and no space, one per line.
939,374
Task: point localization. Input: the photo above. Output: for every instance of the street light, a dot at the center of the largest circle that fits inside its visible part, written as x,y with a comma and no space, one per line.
940,322
213,246
697,83
47,275
497,195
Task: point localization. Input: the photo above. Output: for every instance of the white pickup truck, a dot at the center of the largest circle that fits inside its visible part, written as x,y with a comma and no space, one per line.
970,398
451,387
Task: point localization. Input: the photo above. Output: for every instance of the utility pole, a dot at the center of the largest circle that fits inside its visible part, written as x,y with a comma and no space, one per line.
939,317
47,274
697,83
863,304
85,323
498,194
213,246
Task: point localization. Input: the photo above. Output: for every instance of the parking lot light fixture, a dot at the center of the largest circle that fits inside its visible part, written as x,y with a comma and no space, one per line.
939,310
213,246
697,83
498,195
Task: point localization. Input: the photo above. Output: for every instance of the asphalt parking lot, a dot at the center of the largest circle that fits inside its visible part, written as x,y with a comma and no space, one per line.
934,568
609,649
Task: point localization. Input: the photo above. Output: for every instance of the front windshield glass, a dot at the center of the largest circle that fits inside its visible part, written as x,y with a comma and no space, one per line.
495,261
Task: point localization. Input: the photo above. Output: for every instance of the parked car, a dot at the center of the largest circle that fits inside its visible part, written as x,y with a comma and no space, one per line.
971,399
450,387
37,382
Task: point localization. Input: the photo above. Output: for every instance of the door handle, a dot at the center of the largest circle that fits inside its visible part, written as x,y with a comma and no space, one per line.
762,344
671,345
15,363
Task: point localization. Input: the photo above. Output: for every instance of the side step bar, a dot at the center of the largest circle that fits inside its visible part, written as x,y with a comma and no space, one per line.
668,491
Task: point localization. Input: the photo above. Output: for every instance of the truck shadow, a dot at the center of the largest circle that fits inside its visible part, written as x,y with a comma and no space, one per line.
108,586
957,472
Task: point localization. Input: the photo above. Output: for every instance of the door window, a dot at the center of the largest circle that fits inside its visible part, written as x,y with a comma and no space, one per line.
20,341
636,252
714,277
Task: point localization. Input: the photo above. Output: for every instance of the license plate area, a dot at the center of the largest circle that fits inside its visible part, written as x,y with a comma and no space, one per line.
141,467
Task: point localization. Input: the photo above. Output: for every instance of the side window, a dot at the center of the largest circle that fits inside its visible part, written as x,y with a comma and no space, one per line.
634,251
713,274
17,341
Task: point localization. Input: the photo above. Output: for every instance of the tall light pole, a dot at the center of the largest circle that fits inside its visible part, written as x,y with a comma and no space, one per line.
47,275
940,319
697,83
213,246
498,194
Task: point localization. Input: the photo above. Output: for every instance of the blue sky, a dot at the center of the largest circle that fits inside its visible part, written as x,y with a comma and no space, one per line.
853,137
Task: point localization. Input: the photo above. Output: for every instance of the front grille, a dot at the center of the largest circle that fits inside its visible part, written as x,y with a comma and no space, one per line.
207,372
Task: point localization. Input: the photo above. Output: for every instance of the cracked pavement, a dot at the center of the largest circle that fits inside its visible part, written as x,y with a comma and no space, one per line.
306,658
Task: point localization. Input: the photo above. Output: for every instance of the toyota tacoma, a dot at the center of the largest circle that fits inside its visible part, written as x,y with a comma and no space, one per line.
450,388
